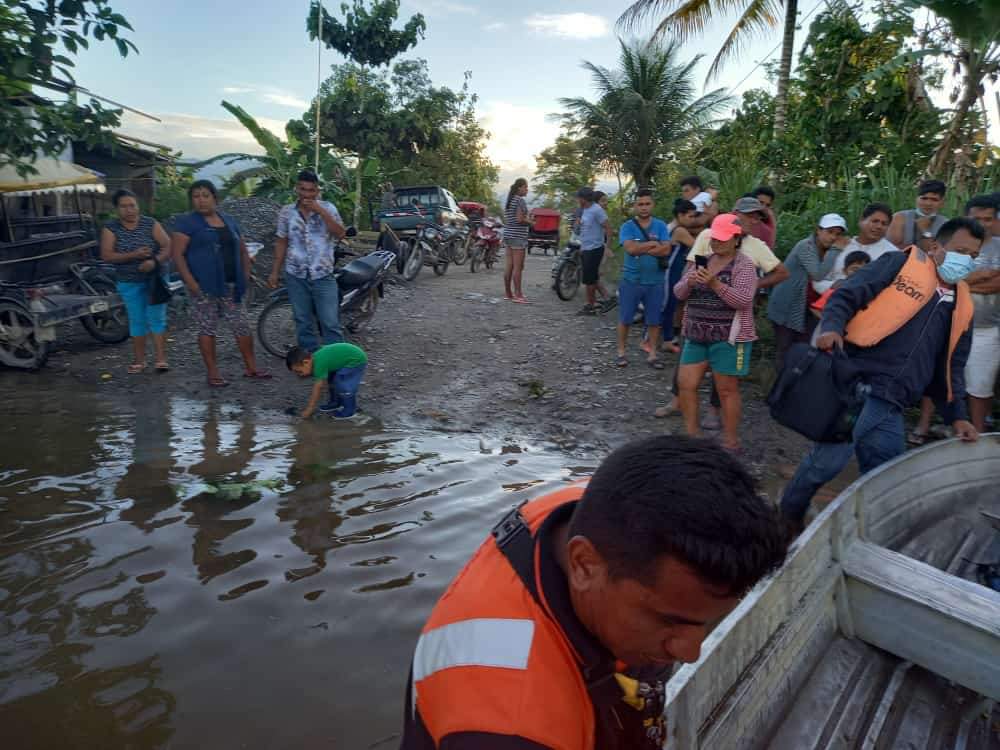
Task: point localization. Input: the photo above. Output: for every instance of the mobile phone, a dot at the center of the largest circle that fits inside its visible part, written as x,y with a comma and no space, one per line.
701,261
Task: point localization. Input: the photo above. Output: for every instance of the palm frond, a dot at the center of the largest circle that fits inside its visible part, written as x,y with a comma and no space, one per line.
761,16
642,10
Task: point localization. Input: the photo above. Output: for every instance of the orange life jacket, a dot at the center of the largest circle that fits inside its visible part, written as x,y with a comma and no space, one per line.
915,286
492,659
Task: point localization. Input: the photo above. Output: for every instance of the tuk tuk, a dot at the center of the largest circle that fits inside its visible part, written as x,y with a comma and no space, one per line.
544,231
49,272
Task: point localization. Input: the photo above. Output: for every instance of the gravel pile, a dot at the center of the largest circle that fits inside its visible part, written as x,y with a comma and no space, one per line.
257,217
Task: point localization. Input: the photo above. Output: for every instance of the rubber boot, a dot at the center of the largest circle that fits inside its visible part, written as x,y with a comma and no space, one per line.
348,406
332,405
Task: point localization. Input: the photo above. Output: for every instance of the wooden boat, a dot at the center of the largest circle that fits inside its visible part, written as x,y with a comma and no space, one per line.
874,635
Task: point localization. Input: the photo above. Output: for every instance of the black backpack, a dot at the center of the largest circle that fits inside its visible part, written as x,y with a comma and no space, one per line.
817,394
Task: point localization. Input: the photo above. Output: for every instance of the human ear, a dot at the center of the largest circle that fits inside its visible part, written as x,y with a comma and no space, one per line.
586,569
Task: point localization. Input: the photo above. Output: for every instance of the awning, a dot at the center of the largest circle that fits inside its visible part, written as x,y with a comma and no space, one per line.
51,176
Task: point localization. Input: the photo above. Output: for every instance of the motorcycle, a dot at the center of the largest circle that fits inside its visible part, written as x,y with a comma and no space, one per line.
486,245
567,272
436,243
409,254
360,284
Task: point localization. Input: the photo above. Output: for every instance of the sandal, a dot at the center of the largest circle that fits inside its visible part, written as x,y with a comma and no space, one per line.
621,361
671,347
217,382
662,412
521,300
656,364
162,367
645,346
916,439
136,369
258,375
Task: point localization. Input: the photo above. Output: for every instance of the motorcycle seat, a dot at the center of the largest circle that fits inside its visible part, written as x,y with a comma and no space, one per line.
359,271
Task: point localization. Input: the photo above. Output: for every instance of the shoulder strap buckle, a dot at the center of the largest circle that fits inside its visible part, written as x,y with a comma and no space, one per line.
510,526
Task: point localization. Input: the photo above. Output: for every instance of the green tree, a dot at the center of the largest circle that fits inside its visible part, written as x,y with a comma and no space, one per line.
563,168
367,37
33,30
685,19
644,110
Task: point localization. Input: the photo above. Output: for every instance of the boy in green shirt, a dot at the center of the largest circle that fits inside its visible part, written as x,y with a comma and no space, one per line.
339,367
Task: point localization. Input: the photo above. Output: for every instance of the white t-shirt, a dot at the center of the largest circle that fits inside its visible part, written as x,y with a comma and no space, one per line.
759,252
875,251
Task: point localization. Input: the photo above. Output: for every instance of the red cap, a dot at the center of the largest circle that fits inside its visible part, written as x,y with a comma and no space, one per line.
725,227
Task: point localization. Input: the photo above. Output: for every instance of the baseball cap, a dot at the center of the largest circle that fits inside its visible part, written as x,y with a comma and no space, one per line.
829,221
725,227
749,206
702,201
586,193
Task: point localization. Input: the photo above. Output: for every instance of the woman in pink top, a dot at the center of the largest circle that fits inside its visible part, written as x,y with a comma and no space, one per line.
718,327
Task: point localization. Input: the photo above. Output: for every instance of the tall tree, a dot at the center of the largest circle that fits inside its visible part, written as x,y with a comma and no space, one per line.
563,168
685,19
33,32
367,37
643,110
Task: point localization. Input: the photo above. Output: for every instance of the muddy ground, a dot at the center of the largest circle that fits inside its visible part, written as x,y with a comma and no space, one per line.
448,353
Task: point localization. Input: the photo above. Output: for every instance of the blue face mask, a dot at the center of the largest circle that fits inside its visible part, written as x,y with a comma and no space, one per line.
955,267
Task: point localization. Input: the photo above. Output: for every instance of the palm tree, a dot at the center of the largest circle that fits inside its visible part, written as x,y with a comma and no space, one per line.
644,108
687,18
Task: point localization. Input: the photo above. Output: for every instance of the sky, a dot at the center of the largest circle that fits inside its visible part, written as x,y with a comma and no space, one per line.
523,57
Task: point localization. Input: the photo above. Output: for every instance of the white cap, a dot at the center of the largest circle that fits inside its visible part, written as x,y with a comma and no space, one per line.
829,221
702,201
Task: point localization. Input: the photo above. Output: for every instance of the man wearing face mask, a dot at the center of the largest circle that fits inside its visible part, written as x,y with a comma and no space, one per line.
905,321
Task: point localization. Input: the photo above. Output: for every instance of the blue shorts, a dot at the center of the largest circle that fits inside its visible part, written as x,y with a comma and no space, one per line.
631,293
143,318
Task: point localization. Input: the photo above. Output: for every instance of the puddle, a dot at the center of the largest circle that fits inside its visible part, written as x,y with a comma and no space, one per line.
191,575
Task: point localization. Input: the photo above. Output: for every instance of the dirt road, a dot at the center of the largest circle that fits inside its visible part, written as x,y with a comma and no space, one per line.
448,353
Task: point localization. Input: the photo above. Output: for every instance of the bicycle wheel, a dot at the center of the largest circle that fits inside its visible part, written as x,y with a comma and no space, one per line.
276,327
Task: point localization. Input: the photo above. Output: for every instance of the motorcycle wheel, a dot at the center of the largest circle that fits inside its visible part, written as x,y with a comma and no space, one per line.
441,268
475,257
19,347
109,327
567,280
414,261
276,327
459,252
491,259
359,316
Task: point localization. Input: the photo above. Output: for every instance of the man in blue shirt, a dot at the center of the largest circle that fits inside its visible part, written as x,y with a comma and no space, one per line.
307,234
646,241
593,226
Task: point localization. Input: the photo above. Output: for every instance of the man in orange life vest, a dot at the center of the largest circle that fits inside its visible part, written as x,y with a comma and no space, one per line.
906,319
528,647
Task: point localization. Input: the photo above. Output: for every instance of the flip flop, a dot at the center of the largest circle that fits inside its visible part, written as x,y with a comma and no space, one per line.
916,439
621,362
136,369
521,301
217,382
258,375
162,367
662,412
656,364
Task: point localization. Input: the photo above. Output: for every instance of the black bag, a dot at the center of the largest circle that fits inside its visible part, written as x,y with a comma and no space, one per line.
817,394
159,292
662,261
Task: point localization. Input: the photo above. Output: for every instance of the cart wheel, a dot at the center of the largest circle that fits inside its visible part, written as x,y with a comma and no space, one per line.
109,327
19,346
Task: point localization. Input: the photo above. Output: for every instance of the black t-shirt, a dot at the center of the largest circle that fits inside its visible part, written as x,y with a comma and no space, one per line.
227,246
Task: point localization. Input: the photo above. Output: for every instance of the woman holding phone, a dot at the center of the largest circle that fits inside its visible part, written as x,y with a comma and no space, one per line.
718,327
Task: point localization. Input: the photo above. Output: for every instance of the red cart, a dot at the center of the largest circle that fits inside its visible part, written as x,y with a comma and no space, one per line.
544,232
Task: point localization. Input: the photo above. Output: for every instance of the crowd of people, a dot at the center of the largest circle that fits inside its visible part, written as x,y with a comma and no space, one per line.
210,253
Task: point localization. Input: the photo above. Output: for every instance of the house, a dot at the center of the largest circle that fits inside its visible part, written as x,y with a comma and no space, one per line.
128,163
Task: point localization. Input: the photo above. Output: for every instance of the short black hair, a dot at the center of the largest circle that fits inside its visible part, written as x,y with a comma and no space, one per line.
932,186
979,201
206,184
694,181
685,498
123,193
948,229
763,190
683,206
643,193
295,356
598,194
877,208
307,175
857,256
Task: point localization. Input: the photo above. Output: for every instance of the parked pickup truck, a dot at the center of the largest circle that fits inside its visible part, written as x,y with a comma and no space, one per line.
415,205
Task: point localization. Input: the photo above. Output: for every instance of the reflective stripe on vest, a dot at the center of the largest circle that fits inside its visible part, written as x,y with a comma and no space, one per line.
474,643
914,286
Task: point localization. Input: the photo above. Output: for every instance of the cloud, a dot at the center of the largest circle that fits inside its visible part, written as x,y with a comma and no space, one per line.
285,100
517,134
495,26
198,137
237,90
569,25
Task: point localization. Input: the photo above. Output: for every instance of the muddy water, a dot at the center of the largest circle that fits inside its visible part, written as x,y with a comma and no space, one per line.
147,601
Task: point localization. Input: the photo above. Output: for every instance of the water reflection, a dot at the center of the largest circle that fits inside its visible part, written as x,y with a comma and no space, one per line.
186,573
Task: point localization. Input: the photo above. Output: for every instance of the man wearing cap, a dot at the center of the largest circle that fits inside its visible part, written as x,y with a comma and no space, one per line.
810,260
593,226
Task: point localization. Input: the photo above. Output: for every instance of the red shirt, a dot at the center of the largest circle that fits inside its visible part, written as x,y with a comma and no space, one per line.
764,231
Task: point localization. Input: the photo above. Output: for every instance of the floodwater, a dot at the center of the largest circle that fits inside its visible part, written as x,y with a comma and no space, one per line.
148,599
